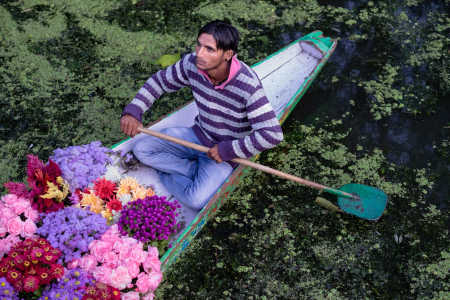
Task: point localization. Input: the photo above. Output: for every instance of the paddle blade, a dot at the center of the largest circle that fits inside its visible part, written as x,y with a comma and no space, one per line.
371,204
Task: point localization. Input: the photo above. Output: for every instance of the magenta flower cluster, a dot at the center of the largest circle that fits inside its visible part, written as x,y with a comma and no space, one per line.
149,219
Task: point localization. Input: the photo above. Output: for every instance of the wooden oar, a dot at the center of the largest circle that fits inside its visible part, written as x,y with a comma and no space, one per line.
357,199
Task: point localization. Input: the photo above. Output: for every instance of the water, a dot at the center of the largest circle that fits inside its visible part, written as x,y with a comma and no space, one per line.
406,140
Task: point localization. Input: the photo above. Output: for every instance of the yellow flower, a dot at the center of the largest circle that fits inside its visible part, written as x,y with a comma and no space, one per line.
94,202
126,185
139,193
150,192
107,214
54,191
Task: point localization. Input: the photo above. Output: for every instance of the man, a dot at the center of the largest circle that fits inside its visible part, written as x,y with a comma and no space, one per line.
235,118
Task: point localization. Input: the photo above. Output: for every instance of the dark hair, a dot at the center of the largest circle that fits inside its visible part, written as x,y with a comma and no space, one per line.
226,36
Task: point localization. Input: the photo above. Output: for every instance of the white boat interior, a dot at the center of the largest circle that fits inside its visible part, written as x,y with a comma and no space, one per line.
282,75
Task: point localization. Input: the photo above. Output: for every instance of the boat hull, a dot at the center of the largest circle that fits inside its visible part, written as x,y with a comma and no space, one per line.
312,50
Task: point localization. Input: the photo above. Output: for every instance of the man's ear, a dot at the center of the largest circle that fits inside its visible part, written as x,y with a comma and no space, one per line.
229,54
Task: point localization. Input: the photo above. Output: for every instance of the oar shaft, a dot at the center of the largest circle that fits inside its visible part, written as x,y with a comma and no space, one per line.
248,163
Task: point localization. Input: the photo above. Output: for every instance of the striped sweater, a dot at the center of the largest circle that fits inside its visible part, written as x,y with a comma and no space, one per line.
237,117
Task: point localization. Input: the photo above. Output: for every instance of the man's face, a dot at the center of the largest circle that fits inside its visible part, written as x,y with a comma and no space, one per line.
208,56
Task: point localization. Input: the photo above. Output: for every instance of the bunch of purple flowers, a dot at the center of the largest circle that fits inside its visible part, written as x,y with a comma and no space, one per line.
71,286
81,165
7,291
149,219
71,230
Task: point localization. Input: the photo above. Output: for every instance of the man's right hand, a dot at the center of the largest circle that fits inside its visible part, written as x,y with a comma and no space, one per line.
129,125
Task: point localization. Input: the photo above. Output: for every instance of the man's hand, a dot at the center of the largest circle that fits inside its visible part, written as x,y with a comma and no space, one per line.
213,153
129,125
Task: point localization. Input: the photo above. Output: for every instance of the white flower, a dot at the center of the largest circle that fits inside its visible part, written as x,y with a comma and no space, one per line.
125,198
113,173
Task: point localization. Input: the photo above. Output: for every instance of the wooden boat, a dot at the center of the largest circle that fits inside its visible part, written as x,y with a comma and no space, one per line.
285,75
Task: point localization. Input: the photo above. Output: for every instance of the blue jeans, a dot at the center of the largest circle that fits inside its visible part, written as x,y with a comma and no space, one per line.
189,175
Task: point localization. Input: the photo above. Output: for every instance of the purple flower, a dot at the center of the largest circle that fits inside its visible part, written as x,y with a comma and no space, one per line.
81,165
71,230
7,292
71,286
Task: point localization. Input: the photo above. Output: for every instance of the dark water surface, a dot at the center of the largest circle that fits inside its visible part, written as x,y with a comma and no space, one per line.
406,140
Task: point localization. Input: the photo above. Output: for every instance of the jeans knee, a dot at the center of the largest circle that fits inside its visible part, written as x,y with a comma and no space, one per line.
196,200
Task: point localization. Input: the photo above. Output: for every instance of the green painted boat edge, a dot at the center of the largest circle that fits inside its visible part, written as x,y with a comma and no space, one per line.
326,46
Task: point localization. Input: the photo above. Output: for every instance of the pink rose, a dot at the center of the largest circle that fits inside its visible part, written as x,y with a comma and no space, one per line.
138,255
143,283
9,199
130,296
133,268
149,296
20,206
29,228
31,214
6,214
111,234
15,226
154,280
88,262
99,248
103,274
120,278
153,251
111,259
152,264
3,230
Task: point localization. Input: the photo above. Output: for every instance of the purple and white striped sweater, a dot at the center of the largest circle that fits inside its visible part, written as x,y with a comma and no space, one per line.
238,118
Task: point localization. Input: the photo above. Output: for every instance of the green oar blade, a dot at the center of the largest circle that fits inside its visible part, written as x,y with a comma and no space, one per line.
371,204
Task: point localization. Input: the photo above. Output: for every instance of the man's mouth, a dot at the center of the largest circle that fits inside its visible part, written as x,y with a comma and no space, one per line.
199,62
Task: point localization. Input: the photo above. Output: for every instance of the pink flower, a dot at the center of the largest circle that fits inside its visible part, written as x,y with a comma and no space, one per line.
154,280
32,214
130,296
3,230
111,259
7,243
138,255
120,278
29,228
152,263
99,249
6,213
15,226
143,283
9,199
148,296
133,268
88,262
74,264
20,206
153,251
103,274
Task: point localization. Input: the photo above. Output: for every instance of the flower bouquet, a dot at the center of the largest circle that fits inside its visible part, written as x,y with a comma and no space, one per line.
72,230
151,220
123,263
30,265
49,190
17,221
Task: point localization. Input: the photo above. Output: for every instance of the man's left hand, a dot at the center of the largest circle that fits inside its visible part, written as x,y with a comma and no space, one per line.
213,153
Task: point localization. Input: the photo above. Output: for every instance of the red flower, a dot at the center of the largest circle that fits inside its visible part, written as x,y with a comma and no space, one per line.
56,271
115,294
114,204
104,188
4,267
44,277
37,253
30,283
13,276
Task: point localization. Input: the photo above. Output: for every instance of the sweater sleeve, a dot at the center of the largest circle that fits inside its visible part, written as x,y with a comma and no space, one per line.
266,130
168,80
